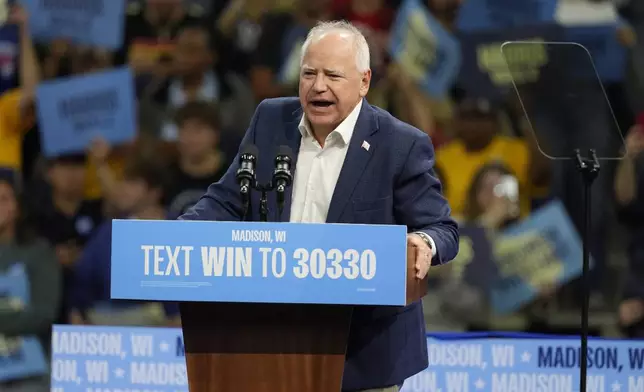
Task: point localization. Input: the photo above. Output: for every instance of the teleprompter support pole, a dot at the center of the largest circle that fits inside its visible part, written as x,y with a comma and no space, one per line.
588,167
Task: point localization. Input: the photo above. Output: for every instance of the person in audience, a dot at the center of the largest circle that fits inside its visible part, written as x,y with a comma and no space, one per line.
489,202
276,63
478,142
140,197
629,195
200,162
239,24
30,285
200,76
17,115
150,29
63,216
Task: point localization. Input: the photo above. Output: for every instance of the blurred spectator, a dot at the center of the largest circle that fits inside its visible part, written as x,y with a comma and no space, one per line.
198,76
489,203
140,197
24,256
150,29
478,143
17,114
276,63
629,194
240,24
200,162
63,216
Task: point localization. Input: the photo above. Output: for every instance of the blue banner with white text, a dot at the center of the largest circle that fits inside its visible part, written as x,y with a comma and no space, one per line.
424,49
20,356
95,358
98,23
74,111
539,253
513,267
259,262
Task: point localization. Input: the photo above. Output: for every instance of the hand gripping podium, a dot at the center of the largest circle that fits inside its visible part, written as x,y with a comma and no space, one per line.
265,307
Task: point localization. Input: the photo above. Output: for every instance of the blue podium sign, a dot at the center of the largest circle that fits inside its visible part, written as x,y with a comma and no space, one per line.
545,364
259,262
98,358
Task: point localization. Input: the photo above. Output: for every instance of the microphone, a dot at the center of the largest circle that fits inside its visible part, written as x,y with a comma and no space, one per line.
246,173
282,176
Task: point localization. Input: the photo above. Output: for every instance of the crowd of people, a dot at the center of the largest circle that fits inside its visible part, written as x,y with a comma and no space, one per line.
200,69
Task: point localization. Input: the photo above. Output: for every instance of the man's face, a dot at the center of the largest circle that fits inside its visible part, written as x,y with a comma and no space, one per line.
68,179
191,52
330,83
196,139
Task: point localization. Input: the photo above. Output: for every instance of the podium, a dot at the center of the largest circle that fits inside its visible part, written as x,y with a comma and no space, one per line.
265,307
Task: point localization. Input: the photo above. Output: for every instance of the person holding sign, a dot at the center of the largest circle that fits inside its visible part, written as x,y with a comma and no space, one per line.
355,164
30,293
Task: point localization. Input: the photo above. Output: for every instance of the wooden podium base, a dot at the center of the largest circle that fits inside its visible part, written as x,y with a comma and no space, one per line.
253,347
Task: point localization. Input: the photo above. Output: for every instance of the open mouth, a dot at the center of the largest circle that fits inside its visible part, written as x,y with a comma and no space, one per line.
320,103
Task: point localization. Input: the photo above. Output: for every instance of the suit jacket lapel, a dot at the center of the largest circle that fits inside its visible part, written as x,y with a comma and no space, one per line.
293,139
358,155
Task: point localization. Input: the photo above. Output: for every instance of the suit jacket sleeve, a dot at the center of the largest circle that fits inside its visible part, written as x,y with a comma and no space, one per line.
222,201
419,202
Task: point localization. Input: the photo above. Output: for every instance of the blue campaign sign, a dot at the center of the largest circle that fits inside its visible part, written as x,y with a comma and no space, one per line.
259,262
116,358
21,356
9,50
474,264
608,54
540,252
530,365
495,14
426,51
485,72
97,23
74,111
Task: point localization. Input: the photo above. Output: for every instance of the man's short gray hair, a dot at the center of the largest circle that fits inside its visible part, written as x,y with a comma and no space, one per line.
341,26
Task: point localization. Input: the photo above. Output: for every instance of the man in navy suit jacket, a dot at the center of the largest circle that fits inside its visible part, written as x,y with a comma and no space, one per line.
355,163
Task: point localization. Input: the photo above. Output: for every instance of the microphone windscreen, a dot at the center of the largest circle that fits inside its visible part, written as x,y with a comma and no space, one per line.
250,149
285,151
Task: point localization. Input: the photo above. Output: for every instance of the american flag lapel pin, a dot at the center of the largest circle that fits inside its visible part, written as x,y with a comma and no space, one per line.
365,145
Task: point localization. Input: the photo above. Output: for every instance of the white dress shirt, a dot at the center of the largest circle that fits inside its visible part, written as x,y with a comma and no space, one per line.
318,169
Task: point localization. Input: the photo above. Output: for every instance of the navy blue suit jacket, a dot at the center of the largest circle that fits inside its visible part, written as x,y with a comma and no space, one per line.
391,183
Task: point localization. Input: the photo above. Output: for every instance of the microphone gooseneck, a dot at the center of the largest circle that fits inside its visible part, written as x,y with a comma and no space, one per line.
282,176
246,173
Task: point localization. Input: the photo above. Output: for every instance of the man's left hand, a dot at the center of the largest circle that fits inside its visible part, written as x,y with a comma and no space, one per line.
423,254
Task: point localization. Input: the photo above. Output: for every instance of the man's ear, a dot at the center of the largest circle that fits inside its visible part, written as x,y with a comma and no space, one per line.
365,82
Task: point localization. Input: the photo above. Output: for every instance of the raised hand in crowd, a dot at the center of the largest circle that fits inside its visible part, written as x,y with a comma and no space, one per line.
99,152
68,253
635,141
626,36
500,210
631,311
18,15
625,176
